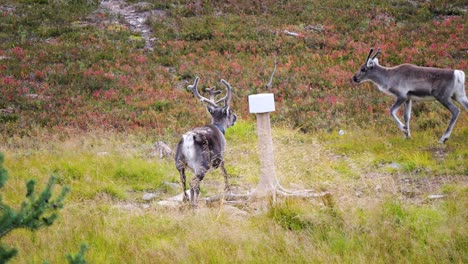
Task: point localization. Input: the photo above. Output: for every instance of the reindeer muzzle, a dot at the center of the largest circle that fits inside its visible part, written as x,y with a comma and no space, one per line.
355,79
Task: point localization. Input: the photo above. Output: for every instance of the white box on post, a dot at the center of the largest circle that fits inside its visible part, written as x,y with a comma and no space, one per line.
261,103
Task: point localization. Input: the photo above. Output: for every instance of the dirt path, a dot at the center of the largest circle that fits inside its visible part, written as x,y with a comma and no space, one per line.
134,16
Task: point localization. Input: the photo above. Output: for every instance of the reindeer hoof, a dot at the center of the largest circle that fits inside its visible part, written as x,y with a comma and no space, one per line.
442,140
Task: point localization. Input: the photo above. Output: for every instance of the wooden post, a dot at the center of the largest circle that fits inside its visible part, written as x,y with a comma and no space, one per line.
262,105
268,180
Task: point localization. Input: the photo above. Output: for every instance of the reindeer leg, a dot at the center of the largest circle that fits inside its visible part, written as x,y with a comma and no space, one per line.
455,112
195,184
226,182
407,117
183,183
394,110
180,165
195,190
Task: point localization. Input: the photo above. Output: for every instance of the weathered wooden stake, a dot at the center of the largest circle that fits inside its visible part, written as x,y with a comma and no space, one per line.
262,105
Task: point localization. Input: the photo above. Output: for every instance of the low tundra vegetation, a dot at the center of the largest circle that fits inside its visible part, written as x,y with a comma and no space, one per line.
81,68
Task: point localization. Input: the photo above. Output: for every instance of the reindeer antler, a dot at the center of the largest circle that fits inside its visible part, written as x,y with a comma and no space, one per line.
377,53
227,98
370,53
213,92
194,88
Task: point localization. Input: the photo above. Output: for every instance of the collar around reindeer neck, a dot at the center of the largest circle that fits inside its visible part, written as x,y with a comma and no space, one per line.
220,128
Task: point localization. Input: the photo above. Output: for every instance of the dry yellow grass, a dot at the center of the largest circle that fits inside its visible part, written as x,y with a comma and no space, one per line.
375,213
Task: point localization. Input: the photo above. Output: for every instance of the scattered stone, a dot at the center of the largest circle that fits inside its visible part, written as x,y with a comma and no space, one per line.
394,165
163,149
8,110
436,196
179,197
341,132
169,203
32,96
318,28
174,201
104,153
290,33
36,96
148,196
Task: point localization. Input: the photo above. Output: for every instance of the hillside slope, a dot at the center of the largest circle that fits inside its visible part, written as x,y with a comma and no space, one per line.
124,65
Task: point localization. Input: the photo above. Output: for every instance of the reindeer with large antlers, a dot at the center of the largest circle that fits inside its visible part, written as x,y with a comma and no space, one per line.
409,82
203,147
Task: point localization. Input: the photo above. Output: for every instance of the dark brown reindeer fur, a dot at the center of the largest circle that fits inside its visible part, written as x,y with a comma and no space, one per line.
202,148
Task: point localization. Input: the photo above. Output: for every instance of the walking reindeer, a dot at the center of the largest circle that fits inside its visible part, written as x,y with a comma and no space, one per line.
203,147
409,82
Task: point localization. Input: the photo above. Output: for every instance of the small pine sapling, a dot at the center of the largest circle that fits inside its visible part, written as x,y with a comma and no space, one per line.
35,212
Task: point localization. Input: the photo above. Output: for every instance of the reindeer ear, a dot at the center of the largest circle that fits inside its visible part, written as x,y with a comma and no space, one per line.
226,110
370,63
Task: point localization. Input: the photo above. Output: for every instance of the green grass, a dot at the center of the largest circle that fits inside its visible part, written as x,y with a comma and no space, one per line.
108,174
419,154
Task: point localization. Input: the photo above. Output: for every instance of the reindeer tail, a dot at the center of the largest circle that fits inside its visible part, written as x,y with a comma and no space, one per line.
460,94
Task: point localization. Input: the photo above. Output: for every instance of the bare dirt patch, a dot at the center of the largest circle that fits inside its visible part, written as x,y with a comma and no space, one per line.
133,16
